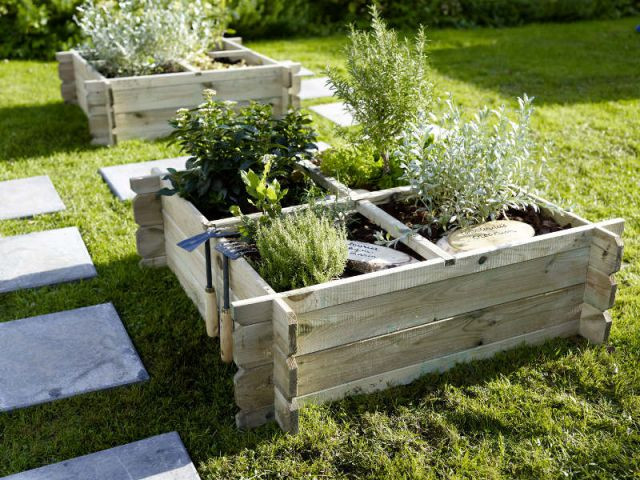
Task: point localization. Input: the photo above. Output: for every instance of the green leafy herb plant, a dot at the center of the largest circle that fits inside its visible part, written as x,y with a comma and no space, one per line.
224,141
464,172
386,85
301,249
142,37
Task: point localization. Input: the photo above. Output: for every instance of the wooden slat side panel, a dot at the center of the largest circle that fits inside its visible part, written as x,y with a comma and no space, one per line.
191,286
253,387
253,345
330,368
382,314
406,375
185,78
191,95
409,276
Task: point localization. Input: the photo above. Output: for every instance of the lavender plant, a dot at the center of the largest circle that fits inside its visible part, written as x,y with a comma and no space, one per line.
465,172
141,37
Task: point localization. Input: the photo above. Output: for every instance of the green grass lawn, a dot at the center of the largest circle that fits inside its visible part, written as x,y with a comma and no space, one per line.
564,410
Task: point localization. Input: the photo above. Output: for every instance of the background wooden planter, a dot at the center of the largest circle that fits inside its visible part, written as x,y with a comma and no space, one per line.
365,333
140,107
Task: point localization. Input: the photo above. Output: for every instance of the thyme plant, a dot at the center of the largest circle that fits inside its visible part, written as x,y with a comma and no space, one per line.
387,83
141,37
465,172
301,249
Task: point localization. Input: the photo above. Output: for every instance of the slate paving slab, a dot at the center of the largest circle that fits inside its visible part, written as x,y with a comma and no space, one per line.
43,258
63,354
336,112
26,197
315,88
162,457
117,176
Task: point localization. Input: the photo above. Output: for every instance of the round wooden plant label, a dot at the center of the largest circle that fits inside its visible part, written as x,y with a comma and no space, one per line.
486,235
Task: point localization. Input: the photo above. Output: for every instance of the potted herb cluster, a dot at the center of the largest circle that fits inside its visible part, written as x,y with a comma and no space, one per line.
141,60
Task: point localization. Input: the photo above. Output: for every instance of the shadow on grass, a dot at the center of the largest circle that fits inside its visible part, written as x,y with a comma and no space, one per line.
576,63
42,130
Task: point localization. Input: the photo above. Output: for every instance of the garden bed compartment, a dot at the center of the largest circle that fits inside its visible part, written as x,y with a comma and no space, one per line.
140,107
368,332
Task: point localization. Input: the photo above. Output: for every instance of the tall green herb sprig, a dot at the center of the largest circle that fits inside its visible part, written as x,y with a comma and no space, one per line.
387,83
465,172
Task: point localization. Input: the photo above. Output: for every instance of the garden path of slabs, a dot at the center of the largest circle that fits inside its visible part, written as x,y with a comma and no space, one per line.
62,354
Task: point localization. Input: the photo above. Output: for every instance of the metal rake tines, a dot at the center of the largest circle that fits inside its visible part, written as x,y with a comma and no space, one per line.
234,249
191,243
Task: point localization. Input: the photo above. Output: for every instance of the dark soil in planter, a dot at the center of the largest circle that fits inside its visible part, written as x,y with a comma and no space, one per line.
407,213
223,63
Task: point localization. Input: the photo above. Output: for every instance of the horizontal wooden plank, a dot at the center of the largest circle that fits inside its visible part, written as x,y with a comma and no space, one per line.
600,290
145,184
378,283
395,311
253,345
154,262
253,388
286,412
184,78
595,325
397,229
252,310
173,97
191,286
147,209
329,368
606,251
150,241
254,418
406,375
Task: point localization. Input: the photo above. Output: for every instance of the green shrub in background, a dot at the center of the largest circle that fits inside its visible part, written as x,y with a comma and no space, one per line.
302,249
39,28
36,28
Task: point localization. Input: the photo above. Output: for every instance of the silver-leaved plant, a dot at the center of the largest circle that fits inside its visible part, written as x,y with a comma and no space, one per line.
464,172
140,37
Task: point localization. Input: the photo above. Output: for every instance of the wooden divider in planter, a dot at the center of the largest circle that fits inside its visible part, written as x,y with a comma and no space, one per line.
365,333
140,107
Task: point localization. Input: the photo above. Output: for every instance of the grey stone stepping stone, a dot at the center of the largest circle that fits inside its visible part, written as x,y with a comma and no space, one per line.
63,354
336,112
315,88
26,197
117,176
43,258
305,72
322,146
162,457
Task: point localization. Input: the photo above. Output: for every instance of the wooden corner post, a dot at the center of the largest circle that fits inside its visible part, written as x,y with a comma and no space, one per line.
285,369
605,259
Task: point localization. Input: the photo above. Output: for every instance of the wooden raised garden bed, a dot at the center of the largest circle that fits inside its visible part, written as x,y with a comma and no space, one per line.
367,332
140,107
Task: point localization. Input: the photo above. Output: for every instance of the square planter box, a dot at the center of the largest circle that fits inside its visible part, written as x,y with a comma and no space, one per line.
140,107
366,333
